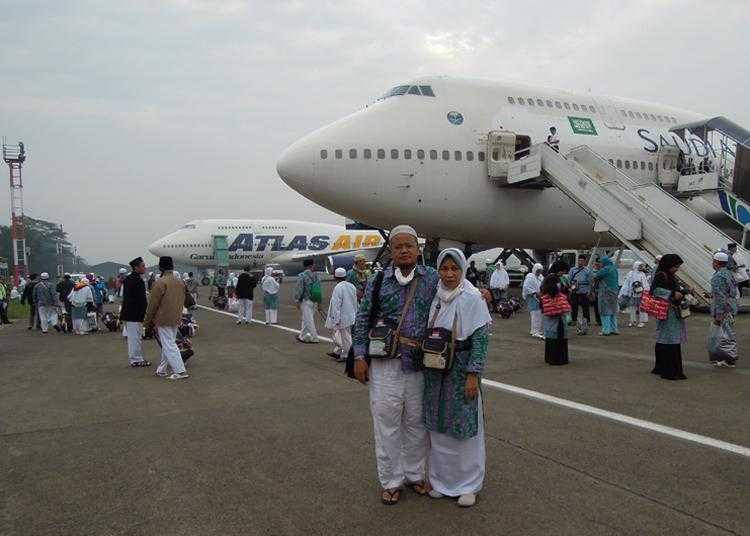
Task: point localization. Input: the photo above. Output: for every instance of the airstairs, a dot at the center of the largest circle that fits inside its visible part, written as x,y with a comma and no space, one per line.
644,217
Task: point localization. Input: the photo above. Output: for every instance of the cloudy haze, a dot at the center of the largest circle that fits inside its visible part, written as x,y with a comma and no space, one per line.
139,116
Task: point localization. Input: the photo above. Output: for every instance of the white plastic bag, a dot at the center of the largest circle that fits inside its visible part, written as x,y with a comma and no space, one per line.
722,344
234,305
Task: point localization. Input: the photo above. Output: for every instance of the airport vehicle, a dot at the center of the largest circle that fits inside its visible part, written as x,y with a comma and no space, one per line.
206,244
466,160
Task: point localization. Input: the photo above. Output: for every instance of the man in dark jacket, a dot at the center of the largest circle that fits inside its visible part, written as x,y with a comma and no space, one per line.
133,310
246,284
28,297
64,288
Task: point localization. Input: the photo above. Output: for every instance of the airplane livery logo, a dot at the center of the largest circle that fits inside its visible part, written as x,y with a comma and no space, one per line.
251,242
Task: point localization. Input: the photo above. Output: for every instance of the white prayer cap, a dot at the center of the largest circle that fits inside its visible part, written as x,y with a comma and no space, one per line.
44,275
123,271
339,273
718,256
403,229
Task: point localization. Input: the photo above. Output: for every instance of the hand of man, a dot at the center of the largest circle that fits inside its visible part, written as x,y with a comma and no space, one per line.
361,371
298,305
472,386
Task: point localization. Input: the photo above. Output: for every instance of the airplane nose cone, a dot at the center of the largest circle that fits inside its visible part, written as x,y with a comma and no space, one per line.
156,249
295,166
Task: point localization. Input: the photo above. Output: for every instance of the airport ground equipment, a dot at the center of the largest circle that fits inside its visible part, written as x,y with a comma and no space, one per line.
15,156
644,217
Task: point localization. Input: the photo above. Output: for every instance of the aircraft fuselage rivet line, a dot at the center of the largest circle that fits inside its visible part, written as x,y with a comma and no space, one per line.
577,406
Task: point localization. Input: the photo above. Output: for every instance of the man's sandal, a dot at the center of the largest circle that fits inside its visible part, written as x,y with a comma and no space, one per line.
390,497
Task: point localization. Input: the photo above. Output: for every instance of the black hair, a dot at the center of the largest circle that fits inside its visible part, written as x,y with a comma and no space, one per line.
550,285
582,256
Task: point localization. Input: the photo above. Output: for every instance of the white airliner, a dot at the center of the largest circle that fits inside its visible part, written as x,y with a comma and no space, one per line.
256,243
420,155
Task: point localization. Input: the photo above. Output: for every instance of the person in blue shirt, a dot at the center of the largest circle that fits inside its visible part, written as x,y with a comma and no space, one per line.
580,285
607,290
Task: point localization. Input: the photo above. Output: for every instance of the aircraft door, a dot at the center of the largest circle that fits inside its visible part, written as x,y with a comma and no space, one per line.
221,251
501,150
609,113
667,172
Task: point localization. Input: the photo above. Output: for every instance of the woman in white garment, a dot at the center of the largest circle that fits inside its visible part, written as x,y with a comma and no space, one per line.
452,397
499,283
531,292
632,290
80,298
270,296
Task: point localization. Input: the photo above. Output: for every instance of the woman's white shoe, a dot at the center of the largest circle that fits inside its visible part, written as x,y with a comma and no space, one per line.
468,499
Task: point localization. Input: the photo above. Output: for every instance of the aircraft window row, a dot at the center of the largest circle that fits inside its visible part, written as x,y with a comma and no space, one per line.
425,91
174,246
635,164
649,116
233,227
523,101
395,154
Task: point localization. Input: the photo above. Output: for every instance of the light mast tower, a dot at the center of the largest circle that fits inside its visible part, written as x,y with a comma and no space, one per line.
15,156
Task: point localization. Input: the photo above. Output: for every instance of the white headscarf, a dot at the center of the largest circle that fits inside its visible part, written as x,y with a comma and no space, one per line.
269,283
532,284
634,275
464,303
500,278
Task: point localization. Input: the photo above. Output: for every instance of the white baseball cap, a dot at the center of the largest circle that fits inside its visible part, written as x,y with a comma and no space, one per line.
339,273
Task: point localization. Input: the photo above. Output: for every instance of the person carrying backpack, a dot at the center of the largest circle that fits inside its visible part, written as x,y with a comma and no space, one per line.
308,296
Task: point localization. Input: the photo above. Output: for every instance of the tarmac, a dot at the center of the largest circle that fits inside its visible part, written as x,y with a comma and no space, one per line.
268,436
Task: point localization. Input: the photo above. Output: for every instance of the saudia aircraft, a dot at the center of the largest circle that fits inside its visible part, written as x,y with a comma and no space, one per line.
256,243
420,155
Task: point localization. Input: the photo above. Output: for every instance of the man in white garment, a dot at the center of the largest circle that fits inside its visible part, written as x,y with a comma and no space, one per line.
133,310
531,292
341,315
307,302
46,303
395,376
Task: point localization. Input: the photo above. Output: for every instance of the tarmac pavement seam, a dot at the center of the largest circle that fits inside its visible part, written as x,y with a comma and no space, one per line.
610,483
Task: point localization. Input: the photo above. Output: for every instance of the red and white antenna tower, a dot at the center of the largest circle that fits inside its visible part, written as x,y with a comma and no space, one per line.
15,156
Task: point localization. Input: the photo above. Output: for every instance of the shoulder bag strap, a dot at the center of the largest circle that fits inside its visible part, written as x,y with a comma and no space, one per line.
407,303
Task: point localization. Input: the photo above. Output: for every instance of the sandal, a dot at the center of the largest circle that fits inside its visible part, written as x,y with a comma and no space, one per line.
140,364
421,488
390,497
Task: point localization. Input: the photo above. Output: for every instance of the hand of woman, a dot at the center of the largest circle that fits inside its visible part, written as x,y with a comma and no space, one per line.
472,386
678,295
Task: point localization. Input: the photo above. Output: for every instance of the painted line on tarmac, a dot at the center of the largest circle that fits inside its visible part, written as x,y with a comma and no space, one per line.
577,406
619,417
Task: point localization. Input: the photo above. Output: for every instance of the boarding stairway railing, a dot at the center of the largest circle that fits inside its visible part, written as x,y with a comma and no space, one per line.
644,217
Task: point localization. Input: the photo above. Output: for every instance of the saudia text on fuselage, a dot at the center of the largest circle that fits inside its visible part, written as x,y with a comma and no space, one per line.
245,244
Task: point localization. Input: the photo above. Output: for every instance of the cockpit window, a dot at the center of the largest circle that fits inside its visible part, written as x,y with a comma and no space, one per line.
425,91
189,226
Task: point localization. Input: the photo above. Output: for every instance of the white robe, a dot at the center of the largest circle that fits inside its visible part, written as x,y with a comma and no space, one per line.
500,279
342,310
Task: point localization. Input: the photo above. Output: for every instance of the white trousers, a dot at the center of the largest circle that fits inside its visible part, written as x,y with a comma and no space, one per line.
536,322
170,354
308,332
457,465
80,325
397,416
47,316
272,316
132,330
342,341
245,311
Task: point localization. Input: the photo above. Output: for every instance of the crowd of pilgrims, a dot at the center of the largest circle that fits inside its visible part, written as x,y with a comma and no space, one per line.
418,336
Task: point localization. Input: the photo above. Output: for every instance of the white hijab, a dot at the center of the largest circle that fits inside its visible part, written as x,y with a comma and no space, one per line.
269,284
464,303
532,284
500,278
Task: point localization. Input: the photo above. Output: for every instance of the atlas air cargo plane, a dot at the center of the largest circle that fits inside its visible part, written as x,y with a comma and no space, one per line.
420,155
256,243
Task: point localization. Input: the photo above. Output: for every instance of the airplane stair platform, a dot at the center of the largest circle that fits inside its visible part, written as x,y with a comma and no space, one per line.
644,217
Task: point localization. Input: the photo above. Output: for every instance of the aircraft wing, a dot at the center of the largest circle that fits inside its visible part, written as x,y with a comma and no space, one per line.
314,255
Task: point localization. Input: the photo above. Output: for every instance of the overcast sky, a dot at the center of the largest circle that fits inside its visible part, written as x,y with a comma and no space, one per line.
141,115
